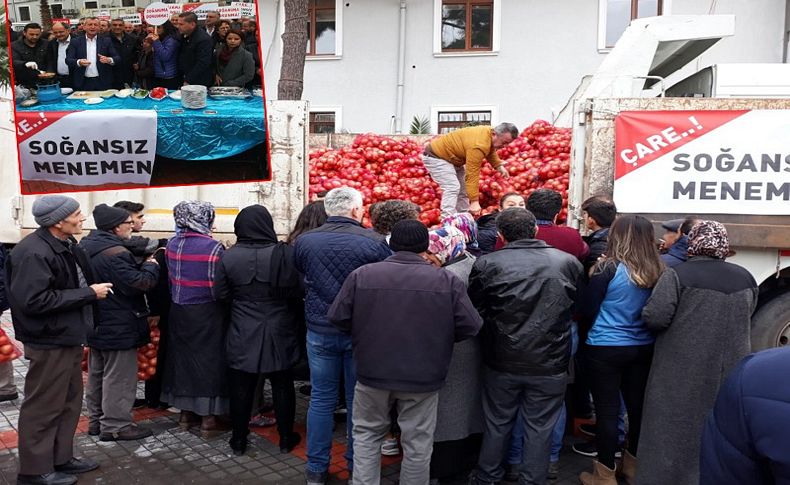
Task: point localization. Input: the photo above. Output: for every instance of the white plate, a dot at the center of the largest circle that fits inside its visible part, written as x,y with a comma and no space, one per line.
175,95
29,102
94,100
66,91
124,93
108,93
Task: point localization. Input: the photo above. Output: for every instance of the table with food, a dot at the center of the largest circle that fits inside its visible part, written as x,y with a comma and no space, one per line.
219,122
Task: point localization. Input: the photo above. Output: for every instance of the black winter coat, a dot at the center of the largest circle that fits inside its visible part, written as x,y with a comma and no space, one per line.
196,58
263,332
597,241
47,303
525,293
122,322
486,233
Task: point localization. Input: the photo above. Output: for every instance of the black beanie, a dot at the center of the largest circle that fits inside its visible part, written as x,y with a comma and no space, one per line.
108,218
409,235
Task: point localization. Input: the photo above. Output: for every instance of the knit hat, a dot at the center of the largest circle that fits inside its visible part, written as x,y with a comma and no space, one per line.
51,209
108,218
409,235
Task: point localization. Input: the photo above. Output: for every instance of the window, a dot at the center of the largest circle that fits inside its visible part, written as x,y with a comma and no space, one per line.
57,10
127,3
322,122
24,14
467,25
616,15
452,120
91,4
321,28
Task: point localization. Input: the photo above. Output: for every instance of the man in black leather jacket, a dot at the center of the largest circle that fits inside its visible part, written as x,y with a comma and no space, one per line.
525,293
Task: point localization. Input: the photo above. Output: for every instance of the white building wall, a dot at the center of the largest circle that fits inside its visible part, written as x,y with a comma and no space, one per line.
546,47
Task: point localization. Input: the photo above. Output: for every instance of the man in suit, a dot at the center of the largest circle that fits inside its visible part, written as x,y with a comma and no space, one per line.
91,59
126,46
56,55
197,50
211,25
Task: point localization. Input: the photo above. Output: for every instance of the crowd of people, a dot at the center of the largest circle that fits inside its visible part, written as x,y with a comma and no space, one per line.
97,55
469,344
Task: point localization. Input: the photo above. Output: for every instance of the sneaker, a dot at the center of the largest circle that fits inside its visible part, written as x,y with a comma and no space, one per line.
93,429
129,433
588,429
9,397
390,447
589,449
77,465
554,470
315,478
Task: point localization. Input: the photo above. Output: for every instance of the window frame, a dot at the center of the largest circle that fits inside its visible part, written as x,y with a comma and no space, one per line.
86,7
338,34
496,30
29,13
133,4
664,8
335,109
464,108
52,5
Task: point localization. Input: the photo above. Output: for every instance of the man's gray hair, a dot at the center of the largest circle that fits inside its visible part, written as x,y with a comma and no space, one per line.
503,128
341,201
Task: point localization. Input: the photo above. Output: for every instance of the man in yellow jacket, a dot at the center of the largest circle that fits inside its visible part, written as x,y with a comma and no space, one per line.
454,161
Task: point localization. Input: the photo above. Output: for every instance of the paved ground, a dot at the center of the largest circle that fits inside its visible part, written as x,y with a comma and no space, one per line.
173,456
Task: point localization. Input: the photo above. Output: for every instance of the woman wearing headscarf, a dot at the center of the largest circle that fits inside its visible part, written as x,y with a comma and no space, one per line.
464,222
195,379
459,416
257,277
701,312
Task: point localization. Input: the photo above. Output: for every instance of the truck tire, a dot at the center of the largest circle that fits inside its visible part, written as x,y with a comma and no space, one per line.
771,324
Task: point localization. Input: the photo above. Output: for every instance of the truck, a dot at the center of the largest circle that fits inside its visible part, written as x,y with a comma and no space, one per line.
285,195
636,80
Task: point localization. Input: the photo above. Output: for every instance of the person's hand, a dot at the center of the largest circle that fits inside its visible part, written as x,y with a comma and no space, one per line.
185,84
136,66
218,80
101,290
84,62
105,59
474,208
153,322
503,171
152,260
31,65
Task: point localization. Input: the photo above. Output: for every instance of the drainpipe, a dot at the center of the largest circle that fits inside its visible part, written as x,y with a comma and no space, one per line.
401,68
786,37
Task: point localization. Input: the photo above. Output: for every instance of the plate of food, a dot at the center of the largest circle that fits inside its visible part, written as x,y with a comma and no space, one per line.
46,75
124,93
176,95
109,93
140,94
228,92
158,94
85,94
94,100
29,102
66,91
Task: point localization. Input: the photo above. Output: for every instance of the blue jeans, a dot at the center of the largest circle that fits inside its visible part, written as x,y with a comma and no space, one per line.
328,355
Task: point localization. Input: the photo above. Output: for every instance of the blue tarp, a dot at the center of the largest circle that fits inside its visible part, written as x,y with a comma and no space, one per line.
237,126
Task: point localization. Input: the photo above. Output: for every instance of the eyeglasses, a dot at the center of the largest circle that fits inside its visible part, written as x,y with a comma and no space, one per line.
127,222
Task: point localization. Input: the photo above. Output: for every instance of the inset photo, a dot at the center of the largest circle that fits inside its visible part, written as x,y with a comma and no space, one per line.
136,94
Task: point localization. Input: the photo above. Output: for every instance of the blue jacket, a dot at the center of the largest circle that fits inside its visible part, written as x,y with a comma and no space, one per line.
166,58
677,253
78,49
746,437
326,256
615,303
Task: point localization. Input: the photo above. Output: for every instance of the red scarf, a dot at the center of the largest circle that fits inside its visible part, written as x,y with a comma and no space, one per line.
225,54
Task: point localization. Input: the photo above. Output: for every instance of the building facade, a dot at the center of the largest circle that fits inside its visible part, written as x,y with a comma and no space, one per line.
374,65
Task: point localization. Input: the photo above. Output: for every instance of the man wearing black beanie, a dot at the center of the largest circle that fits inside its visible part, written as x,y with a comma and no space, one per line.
404,316
121,328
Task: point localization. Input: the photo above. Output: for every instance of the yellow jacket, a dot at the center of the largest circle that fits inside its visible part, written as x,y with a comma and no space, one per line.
467,147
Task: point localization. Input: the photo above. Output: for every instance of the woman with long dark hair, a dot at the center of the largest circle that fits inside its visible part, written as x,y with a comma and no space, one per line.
619,344
257,277
313,215
166,44
233,64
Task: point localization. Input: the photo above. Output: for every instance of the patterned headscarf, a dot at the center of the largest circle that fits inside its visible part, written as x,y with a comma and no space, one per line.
465,223
709,238
446,243
194,215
